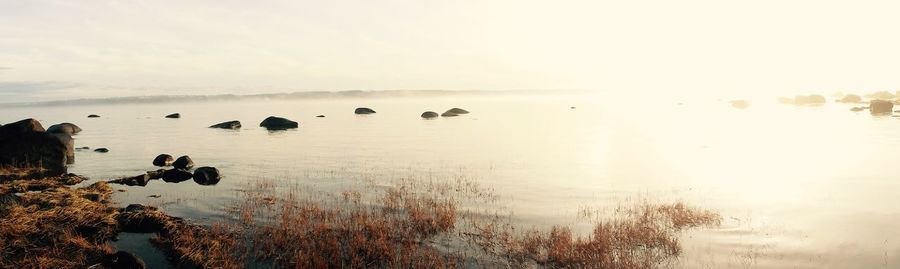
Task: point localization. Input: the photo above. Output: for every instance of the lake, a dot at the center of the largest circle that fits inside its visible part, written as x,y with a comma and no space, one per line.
798,187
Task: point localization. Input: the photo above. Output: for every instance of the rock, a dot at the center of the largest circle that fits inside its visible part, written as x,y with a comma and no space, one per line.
813,99
70,146
858,108
449,114
176,175
278,123
139,180
84,148
183,163
207,175
429,114
25,144
363,111
880,107
572,107
457,111
163,160
93,116
320,116
851,98
156,174
740,104
64,128
102,150
228,125
173,116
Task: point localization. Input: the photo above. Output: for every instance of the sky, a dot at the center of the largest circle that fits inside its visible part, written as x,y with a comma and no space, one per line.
66,49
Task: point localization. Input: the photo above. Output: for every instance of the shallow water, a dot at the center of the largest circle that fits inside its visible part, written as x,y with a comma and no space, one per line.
799,187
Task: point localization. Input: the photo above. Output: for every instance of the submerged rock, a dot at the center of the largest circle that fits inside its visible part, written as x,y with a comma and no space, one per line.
173,116
449,114
880,107
429,114
320,116
70,146
228,125
363,111
93,116
102,150
163,160
207,175
64,128
278,123
176,175
183,163
457,111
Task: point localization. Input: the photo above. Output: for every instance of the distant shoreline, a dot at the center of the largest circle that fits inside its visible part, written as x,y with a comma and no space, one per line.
289,96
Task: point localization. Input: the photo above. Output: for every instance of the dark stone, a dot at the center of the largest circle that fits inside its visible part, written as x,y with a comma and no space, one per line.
25,144
173,116
363,111
851,98
176,176
228,125
93,116
64,128
320,116
156,174
183,163
102,150
429,114
457,111
207,175
881,107
84,148
572,107
163,160
123,260
278,123
70,146
449,114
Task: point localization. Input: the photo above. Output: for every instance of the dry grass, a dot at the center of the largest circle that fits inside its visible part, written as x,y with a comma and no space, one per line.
57,228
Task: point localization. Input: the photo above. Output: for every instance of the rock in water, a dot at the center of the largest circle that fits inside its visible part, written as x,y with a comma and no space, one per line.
123,260
183,163
207,175
278,123
320,116
228,125
457,111
70,146
176,175
163,160
102,150
429,114
740,104
881,107
25,144
93,116
851,98
173,116
449,114
64,128
363,111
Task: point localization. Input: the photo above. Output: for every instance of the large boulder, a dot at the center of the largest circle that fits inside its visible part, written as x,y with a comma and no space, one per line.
850,98
207,175
67,140
25,144
176,175
173,116
363,111
163,160
228,125
429,114
881,107
64,128
457,111
278,123
183,163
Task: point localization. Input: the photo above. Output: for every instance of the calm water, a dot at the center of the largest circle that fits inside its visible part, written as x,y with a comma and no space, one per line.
799,187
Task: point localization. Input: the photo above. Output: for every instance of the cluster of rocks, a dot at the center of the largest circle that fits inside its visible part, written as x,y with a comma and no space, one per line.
27,144
453,112
182,170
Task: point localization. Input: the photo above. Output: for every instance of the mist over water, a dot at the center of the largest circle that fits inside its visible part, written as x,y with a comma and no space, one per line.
799,187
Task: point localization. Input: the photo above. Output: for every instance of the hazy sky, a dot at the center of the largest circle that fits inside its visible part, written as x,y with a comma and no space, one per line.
53,49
